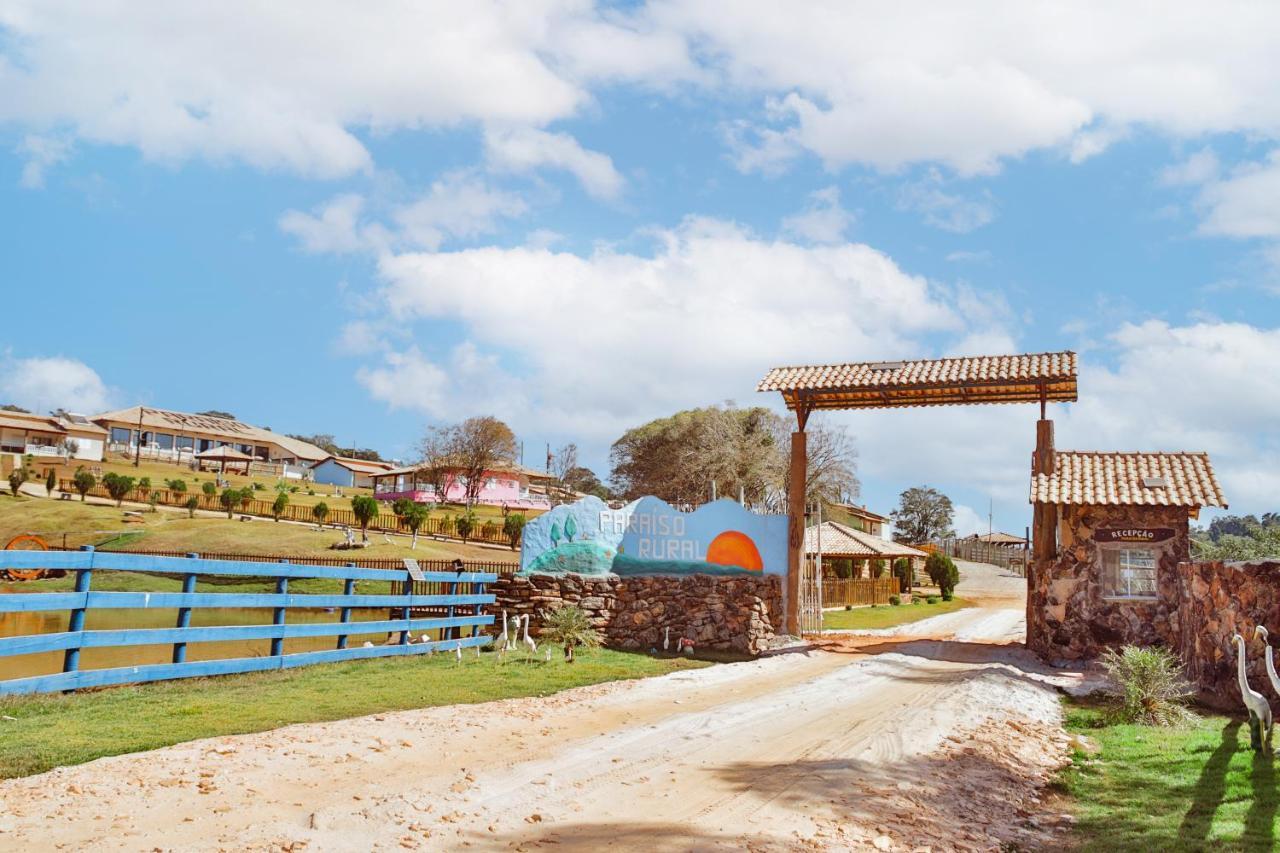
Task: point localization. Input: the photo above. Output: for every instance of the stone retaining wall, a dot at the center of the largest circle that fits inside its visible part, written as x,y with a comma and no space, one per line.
739,613
1217,601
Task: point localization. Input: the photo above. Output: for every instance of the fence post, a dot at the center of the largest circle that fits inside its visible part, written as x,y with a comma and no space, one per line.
282,588
476,609
348,588
184,613
71,659
404,611
452,633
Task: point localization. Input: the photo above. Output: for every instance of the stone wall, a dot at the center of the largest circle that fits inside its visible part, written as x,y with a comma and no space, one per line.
1068,618
1219,600
739,613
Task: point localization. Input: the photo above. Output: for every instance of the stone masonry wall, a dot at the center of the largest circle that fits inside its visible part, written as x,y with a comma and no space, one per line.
1219,600
1067,616
739,613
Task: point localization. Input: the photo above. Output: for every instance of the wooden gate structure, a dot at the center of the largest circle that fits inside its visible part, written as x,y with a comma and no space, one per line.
1030,378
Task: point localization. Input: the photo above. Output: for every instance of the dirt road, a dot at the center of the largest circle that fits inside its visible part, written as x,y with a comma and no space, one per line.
888,743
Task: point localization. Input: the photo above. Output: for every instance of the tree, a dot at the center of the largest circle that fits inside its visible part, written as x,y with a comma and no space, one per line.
279,505
944,574
438,466
246,497
192,503
118,486
217,413
365,510
584,480
923,514
562,462
902,571
144,484
480,445
229,498
178,486
465,524
17,477
513,528
50,482
208,488
414,516
10,407
569,626
401,506
84,482
320,512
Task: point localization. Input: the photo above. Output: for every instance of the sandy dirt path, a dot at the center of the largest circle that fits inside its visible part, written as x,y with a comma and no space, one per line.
870,743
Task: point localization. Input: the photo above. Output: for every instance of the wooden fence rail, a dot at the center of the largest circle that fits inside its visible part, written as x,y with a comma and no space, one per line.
488,532
497,567
1011,557
851,592
461,596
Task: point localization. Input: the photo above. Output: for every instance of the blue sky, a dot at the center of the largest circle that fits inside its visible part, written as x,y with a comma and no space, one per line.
581,217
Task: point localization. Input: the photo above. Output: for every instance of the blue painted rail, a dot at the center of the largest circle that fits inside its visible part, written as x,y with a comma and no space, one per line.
460,605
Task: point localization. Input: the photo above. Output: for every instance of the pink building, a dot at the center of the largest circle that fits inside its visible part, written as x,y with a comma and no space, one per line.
504,485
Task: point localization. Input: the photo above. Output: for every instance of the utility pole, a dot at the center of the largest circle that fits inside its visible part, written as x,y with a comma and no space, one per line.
137,452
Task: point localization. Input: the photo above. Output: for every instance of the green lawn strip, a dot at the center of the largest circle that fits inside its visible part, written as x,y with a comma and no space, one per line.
1193,788
888,615
56,730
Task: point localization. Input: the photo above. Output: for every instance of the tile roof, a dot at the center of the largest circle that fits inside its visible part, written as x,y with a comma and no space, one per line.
840,540
224,428
928,382
1128,479
359,466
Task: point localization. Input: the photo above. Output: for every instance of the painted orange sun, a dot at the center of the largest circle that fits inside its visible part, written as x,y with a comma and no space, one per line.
733,548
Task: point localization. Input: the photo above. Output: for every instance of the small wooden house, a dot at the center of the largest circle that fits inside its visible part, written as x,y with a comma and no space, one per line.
1107,573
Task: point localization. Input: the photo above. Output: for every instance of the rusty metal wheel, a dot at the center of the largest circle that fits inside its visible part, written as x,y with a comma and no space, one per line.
25,542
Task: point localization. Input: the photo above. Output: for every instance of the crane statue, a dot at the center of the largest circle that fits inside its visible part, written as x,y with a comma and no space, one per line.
503,641
527,640
1259,710
666,639
1262,632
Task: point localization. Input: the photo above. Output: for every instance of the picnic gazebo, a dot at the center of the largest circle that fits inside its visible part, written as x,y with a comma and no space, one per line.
223,455
835,541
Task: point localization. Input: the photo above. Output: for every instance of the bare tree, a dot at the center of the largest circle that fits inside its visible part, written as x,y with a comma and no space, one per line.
563,462
480,444
438,464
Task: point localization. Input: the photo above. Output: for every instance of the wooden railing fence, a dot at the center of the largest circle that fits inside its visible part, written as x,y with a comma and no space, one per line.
454,607
1011,557
851,592
488,532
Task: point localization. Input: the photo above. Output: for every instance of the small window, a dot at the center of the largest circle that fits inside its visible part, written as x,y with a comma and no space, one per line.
1130,573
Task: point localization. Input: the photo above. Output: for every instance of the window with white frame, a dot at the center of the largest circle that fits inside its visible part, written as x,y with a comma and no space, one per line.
1130,573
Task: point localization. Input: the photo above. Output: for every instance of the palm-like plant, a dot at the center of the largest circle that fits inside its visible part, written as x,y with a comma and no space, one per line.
414,516
1150,687
365,510
320,512
569,626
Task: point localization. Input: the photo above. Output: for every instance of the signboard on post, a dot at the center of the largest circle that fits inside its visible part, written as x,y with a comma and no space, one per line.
415,571
1136,535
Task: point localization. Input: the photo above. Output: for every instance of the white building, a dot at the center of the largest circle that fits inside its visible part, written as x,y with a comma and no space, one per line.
67,436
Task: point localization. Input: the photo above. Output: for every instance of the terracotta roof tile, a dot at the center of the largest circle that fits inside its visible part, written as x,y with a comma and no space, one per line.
1129,479
840,540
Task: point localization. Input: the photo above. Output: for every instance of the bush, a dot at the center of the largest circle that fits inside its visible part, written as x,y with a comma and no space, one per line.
944,574
118,486
1150,688
192,503
320,512
178,487
513,528
465,524
145,484
902,571
895,600
17,477
229,498
569,626
877,568
209,489
50,482
279,504
84,482
365,510
931,599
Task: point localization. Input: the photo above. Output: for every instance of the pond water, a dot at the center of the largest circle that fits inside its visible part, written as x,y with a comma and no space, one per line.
45,663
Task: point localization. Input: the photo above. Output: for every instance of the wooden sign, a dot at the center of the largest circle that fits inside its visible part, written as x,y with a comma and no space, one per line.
415,571
1133,534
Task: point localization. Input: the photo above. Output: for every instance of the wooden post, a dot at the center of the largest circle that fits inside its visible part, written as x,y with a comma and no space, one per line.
1045,521
282,588
71,659
348,588
184,613
795,533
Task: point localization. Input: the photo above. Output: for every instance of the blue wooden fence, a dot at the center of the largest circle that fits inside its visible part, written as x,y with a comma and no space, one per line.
463,590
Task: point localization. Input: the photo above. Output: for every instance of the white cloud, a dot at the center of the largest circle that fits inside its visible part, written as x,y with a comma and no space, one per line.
44,383
294,85
612,337
456,207
969,85
823,221
41,153
526,149
1246,203
1201,167
944,210
967,521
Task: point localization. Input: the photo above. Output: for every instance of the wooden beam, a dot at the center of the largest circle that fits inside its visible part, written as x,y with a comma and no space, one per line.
795,529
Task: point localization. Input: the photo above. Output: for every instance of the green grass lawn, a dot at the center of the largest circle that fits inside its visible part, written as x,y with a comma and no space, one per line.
56,730
1195,788
887,615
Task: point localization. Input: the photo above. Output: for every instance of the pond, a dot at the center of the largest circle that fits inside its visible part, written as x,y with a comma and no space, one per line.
45,622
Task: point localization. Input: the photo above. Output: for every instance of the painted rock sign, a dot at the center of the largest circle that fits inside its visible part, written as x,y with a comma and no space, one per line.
649,536
1133,534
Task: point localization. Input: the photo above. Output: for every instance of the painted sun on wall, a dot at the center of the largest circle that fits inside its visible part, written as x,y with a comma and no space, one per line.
649,537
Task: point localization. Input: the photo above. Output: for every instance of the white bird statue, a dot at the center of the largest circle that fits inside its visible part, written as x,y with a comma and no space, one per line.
666,639
458,651
1259,711
527,640
1271,658
547,657
515,633
503,640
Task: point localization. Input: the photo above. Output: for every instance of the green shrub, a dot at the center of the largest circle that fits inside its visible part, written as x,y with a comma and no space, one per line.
1149,686
931,599
178,487
877,568
229,498
895,600
569,626
50,482
465,524
320,512
118,486
944,574
365,510
513,528
311,492
145,484
84,482
279,504
17,477
902,571
192,503
209,489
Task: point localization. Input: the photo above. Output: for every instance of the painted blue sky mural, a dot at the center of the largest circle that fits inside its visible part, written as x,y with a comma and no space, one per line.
325,217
